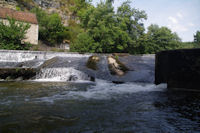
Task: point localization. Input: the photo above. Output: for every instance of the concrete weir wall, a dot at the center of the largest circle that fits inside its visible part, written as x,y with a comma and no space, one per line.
178,68
20,55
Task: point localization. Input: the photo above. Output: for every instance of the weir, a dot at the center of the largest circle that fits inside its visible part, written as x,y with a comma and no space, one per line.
20,56
56,66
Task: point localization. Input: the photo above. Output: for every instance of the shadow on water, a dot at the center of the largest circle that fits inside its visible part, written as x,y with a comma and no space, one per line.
184,105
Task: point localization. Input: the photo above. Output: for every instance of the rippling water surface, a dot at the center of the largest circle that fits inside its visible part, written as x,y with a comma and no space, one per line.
102,107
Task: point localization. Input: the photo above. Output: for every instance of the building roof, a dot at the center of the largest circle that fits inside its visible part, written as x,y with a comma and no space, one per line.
18,15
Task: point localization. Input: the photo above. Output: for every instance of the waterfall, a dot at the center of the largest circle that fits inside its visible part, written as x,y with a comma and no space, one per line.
61,74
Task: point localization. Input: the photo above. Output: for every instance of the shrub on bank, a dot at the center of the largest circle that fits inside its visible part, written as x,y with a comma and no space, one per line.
13,34
51,29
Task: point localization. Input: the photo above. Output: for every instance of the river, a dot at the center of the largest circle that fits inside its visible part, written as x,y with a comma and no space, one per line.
50,104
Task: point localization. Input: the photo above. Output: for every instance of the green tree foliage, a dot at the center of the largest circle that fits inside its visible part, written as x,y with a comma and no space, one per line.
189,45
78,6
13,34
197,38
84,43
130,20
110,31
157,39
51,29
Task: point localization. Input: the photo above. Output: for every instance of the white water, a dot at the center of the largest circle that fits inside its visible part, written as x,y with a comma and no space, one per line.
107,90
102,90
60,74
99,90
21,56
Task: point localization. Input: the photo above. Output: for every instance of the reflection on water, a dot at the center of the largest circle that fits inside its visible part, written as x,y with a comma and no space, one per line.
86,107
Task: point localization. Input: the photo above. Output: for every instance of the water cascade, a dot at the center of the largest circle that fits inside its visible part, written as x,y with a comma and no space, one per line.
72,66
61,74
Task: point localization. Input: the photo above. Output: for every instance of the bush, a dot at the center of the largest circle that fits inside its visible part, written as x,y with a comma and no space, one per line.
51,29
157,39
13,34
197,38
83,43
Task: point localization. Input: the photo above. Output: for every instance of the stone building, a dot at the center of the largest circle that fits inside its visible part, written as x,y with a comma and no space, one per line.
25,17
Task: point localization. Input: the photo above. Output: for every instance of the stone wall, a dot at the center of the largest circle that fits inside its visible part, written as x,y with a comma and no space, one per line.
32,33
178,68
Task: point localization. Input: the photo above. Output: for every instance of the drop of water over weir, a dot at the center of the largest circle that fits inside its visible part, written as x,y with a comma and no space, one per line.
72,66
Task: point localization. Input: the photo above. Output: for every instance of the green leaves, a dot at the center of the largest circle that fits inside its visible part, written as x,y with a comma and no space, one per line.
157,39
83,43
106,31
51,28
110,31
13,34
197,38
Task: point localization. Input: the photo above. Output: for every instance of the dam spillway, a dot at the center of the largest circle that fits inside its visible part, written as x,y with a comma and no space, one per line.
141,68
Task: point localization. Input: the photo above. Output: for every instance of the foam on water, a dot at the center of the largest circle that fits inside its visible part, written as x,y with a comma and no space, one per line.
106,90
103,90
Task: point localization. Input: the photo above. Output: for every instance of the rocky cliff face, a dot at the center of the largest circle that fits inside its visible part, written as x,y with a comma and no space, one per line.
51,6
8,4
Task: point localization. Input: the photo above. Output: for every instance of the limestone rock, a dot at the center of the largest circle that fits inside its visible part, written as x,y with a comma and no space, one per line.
50,6
116,67
92,62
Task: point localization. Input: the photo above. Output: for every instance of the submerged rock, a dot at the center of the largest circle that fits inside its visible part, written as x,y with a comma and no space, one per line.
72,78
118,82
92,79
19,79
48,62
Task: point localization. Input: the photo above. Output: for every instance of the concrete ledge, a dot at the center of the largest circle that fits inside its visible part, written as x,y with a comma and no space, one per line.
14,73
178,68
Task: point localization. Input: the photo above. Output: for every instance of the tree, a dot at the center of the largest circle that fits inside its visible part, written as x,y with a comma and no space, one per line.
78,6
51,28
158,39
13,34
197,38
131,21
83,43
107,31
111,32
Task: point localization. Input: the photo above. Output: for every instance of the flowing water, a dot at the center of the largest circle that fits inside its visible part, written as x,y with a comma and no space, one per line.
49,103
84,107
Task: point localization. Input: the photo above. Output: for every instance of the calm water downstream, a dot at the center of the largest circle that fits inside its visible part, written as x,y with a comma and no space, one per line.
101,107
